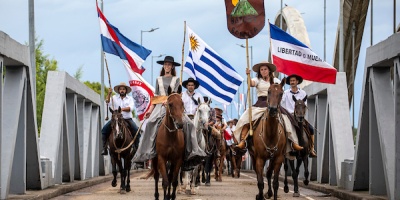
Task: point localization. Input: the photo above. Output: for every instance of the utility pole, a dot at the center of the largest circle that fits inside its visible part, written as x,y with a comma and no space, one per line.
102,76
32,48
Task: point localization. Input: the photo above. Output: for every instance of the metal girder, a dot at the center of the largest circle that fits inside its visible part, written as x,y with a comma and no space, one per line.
354,11
334,139
70,128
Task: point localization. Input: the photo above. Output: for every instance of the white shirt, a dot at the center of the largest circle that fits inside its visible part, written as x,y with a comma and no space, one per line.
287,99
190,106
262,86
123,103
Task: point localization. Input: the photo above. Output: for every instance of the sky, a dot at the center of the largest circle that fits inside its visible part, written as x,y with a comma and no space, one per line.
71,34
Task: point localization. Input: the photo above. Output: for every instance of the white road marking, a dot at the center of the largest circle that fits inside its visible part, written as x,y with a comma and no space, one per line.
307,197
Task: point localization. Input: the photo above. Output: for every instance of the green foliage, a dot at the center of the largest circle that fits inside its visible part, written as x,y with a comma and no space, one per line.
96,86
78,74
43,66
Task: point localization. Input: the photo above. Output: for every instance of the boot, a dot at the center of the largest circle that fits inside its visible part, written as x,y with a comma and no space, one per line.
313,153
297,147
242,143
105,151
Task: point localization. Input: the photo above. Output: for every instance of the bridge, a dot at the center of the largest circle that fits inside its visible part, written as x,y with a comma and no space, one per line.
68,149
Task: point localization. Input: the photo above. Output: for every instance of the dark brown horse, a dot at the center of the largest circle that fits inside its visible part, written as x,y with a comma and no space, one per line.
219,160
170,146
120,142
302,156
269,142
236,161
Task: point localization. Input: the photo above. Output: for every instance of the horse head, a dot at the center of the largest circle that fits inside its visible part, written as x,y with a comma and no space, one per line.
117,123
275,93
203,113
175,107
300,108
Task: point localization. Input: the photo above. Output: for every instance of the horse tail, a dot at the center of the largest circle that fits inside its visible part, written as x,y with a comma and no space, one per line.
149,174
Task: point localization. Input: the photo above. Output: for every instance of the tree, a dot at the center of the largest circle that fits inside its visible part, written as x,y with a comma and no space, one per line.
43,66
78,74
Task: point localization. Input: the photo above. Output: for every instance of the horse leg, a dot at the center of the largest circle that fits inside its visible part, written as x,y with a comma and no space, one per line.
260,179
285,182
123,174
203,174
295,177
114,172
175,172
306,172
128,166
163,171
197,175
170,176
234,167
277,167
188,181
221,167
156,177
269,176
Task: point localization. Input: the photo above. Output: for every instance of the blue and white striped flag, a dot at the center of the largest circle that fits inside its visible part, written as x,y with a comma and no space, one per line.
217,78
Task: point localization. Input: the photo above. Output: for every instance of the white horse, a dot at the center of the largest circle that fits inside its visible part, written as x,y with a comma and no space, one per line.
200,122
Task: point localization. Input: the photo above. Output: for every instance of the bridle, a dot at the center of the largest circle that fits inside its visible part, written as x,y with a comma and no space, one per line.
170,116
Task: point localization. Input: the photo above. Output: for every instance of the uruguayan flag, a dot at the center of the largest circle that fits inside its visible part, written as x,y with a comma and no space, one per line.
217,78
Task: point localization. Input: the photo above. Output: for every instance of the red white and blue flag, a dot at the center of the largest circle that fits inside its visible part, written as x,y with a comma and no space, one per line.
293,57
114,42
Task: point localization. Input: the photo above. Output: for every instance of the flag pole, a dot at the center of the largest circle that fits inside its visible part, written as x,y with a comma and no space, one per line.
248,88
183,48
109,82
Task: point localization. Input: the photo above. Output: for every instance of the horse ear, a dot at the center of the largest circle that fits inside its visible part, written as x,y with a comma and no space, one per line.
111,110
283,81
169,90
294,98
119,109
305,98
198,100
179,89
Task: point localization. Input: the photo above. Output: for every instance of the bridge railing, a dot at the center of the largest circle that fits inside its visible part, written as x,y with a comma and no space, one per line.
70,129
19,157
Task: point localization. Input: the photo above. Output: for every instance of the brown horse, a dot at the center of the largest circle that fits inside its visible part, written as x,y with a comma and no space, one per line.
120,142
269,142
170,146
236,161
299,113
219,160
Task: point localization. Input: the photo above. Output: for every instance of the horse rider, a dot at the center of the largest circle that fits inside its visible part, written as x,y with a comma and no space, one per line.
191,98
229,130
147,150
126,103
218,129
262,82
288,103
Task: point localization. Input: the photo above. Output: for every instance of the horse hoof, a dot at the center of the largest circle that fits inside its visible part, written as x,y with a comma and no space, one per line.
269,194
306,182
208,184
128,189
187,191
286,189
296,194
114,184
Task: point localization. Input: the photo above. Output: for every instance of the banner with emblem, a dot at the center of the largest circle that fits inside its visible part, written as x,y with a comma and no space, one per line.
245,18
141,92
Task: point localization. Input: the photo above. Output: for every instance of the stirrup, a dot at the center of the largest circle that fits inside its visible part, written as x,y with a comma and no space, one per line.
313,154
297,147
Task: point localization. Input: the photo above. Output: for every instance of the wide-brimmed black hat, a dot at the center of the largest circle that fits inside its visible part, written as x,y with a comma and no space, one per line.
196,83
299,78
169,59
256,67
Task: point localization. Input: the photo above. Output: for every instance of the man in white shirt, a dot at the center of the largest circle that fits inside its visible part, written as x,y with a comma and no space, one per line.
126,103
191,98
288,103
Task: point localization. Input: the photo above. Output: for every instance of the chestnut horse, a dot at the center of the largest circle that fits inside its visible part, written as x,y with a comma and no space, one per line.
120,142
170,146
299,113
269,142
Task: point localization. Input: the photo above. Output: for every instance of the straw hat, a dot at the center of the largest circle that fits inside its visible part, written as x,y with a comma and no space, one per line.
128,89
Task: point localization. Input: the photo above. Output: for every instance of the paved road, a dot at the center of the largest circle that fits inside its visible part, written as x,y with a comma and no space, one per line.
244,188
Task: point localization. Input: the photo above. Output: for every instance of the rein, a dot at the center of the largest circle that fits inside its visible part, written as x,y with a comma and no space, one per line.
170,116
130,144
